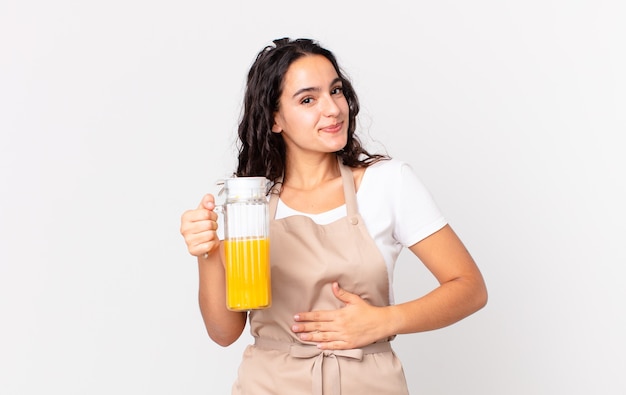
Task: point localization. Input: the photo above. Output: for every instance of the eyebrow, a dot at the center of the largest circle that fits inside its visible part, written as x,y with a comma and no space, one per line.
311,89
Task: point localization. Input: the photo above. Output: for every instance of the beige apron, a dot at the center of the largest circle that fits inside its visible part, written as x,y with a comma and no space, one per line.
305,259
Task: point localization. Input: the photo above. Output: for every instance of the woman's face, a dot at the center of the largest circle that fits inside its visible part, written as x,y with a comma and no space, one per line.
312,111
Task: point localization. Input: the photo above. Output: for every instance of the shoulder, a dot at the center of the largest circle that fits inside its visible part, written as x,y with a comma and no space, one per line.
381,179
393,180
388,165
387,171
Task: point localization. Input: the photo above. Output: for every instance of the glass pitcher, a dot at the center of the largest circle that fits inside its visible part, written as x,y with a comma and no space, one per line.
246,243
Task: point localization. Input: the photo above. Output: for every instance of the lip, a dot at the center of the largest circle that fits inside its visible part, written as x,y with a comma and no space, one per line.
334,128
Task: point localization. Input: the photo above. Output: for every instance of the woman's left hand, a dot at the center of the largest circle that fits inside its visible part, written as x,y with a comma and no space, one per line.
355,325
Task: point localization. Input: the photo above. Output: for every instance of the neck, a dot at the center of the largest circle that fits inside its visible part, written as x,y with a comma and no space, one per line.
309,173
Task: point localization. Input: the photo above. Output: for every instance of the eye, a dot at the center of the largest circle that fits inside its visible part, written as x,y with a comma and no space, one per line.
306,100
338,90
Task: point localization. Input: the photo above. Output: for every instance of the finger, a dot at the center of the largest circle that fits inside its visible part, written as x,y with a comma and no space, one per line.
197,215
318,335
345,296
203,237
314,316
207,202
191,225
203,243
202,226
309,327
198,234
205,248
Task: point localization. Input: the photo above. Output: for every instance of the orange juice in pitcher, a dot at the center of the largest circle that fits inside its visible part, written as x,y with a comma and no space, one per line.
246,244
248,274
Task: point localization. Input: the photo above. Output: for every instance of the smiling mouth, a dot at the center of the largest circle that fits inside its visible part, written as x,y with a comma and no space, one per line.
333,128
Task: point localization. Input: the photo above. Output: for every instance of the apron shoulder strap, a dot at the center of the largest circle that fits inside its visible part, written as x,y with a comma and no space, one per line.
349,191
274,195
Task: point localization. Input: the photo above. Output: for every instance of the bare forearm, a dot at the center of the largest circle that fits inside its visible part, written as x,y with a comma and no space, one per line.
461,292
223,326
445,305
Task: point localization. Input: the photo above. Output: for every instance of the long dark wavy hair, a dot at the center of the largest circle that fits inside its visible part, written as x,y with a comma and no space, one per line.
262,152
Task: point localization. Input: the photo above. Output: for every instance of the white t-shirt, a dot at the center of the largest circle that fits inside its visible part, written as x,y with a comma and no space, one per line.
397,209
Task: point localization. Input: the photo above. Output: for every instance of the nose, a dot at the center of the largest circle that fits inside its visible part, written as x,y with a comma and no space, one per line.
330,106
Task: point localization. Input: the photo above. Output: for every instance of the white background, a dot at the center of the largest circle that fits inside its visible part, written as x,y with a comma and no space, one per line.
116,116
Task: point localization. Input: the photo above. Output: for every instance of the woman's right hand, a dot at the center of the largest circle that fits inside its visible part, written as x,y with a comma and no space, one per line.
199,227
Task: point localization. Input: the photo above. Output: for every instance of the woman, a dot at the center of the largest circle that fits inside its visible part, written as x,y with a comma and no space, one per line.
339,218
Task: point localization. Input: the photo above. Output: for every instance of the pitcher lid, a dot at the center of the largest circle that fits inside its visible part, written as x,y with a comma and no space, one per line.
246,187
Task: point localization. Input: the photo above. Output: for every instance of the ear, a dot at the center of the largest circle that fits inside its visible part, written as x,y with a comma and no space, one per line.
276,128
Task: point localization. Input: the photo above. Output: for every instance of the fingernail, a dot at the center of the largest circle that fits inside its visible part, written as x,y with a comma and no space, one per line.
296,317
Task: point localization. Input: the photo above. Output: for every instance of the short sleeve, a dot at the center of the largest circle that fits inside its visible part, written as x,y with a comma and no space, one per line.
416,214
